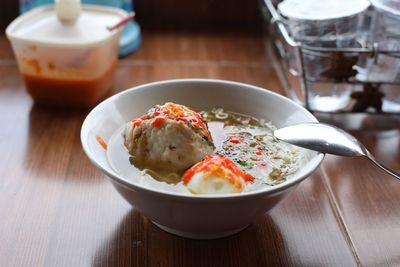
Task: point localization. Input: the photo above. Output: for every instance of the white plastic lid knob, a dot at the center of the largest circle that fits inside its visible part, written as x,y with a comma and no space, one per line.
68,11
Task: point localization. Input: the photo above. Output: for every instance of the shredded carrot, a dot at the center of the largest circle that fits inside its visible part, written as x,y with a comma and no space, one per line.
158,121
136,122
234,140
101,142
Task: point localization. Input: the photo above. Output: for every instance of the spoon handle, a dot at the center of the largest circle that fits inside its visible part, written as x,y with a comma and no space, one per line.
383,167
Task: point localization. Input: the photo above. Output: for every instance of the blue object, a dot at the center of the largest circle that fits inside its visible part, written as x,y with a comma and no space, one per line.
130,38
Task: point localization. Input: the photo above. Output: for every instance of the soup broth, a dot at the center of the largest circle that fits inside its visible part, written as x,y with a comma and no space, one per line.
247,141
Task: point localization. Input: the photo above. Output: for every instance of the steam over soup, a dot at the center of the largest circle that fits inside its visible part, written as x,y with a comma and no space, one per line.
207,152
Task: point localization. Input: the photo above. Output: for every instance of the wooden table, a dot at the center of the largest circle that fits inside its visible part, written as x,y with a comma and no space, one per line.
56,209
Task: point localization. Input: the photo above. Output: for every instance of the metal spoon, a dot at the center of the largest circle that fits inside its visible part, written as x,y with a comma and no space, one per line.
327,139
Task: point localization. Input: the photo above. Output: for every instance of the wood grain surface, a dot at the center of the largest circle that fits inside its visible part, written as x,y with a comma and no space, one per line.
56,209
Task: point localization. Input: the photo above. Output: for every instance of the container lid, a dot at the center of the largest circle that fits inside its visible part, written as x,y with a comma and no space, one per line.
42,25
321,10
391,6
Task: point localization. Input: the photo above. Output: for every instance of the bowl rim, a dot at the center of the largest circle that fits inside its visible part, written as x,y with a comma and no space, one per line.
129,184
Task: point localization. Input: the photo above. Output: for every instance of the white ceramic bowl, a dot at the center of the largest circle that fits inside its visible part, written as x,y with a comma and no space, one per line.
195,216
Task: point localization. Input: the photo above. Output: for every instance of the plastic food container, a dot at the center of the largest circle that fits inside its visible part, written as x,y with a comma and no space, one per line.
67,64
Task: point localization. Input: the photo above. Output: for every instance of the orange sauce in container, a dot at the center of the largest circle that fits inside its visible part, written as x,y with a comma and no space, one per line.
70,92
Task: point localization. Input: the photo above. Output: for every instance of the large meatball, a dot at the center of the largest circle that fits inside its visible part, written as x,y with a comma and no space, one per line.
170,137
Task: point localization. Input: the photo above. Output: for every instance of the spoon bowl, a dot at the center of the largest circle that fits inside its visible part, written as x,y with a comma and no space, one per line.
327,139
